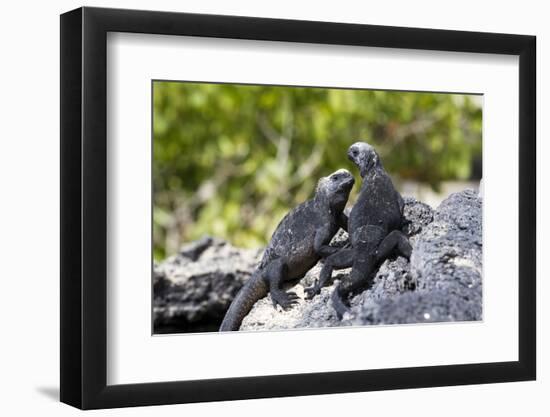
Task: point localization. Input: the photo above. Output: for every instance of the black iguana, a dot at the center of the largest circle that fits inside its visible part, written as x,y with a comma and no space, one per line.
299,241
374,225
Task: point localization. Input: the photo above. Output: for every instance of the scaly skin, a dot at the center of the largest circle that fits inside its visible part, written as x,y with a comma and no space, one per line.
375,233
299,241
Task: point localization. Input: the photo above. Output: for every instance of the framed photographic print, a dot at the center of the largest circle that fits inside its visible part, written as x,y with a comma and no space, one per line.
257,207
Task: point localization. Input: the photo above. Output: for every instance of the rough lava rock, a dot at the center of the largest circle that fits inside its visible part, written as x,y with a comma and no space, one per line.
442,281
193,289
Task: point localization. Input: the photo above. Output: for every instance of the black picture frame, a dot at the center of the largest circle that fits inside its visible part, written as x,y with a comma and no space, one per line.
84,207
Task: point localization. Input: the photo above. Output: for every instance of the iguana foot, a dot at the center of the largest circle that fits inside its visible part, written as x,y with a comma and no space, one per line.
284,299
338,304
339,260
313,290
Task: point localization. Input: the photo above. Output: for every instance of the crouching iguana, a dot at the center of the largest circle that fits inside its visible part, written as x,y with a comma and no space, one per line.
374,227
299,241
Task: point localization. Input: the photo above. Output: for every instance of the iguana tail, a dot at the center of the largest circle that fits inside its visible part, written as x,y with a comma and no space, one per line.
254,289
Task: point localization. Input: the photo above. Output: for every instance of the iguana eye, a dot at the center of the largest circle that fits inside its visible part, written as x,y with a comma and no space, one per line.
335,178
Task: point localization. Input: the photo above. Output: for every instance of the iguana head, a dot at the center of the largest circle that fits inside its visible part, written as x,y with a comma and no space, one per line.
335,188
364,156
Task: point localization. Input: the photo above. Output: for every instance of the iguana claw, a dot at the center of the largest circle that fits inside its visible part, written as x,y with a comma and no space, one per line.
284,299
312,291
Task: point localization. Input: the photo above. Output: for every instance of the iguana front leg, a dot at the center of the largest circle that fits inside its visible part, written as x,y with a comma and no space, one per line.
339,260
275,273
321,242
343,221
367,240
363,267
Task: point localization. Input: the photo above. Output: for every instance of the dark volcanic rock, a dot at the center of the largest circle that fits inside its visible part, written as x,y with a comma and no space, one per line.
417,216
192,290
417,307
442,281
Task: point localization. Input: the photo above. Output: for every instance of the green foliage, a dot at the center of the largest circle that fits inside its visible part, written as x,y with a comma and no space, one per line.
230,160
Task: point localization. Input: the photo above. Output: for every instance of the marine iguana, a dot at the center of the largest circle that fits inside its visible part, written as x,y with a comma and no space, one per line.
374,224
299,241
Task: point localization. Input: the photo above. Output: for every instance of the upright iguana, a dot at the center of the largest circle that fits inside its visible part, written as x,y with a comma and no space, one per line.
299,241
374,226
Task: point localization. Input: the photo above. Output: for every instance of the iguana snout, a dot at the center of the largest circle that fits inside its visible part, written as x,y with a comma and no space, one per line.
342,181
336,187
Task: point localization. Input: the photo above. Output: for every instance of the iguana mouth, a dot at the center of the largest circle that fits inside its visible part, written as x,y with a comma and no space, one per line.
347,183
